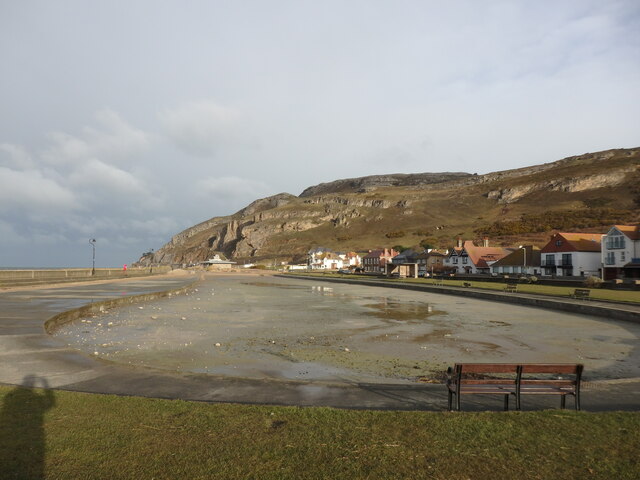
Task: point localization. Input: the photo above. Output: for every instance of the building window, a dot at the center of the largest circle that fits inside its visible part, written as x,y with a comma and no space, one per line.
566,259
464,260
455,259
615,241
550,261
622,257
558,243
610,259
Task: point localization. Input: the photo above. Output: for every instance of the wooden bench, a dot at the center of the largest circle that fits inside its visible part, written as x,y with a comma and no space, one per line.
511,288
514,379
464,378
582,293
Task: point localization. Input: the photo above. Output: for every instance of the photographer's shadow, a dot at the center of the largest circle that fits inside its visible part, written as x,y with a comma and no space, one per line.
22,437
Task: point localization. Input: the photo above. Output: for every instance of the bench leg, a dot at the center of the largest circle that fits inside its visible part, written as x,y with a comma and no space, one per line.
517,402
506,402
577,401
458,402
563,401
450,401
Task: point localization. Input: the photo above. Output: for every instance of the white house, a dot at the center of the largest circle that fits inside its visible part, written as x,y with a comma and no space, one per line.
572,254
469,258
350,259
324,259
621,252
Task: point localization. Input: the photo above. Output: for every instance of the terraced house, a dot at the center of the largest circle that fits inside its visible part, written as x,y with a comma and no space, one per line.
376,260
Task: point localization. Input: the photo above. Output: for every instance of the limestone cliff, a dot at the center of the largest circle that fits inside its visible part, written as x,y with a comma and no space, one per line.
379,210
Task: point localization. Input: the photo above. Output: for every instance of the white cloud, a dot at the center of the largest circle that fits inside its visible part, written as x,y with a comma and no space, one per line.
205,128
114,139
97,175
29,189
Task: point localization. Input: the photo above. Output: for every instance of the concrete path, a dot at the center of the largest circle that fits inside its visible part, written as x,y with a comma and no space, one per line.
27,352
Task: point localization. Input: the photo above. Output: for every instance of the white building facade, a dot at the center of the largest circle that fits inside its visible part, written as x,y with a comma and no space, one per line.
621,252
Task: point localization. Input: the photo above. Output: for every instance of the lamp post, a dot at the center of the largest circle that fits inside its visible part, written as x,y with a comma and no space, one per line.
524,261
92,241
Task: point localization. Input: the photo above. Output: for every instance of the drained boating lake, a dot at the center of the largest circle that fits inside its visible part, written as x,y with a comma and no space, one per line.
270,327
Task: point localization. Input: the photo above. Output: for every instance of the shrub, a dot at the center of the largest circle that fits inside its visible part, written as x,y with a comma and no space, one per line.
396,234
559,219
428,243
593,282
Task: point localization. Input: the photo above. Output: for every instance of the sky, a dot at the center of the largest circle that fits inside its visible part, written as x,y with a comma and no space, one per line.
129,121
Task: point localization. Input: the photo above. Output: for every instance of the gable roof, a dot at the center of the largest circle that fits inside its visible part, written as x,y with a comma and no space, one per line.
481,256
631,231
519,258
573,242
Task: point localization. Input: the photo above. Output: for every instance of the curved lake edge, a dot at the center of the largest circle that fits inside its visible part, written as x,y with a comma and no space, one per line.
94,308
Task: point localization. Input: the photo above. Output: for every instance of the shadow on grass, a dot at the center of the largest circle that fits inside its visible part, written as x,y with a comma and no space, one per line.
22,437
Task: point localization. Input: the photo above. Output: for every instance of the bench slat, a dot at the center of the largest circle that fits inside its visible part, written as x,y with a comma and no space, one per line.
550,368
486,368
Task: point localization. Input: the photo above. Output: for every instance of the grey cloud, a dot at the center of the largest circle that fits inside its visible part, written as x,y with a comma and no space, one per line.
205,128
15,156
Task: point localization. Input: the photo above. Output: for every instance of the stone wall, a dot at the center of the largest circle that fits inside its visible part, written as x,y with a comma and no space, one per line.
25,277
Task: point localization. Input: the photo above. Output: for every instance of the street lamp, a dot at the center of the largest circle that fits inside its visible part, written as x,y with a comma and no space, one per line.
524,261
92,241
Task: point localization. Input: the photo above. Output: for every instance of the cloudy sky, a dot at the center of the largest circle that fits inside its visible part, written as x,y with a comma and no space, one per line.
128,121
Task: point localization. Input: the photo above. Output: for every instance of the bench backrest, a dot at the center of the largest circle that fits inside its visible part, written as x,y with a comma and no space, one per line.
486,368
566,368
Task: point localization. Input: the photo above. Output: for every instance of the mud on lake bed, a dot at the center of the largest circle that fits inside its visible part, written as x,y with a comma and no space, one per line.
267,327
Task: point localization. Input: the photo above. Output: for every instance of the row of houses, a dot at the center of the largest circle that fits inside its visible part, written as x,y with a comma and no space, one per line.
615,254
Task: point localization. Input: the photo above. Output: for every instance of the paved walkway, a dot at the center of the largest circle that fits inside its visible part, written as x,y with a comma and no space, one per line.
26,351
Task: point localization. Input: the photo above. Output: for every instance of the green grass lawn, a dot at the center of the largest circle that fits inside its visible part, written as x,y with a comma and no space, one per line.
65,435
596,293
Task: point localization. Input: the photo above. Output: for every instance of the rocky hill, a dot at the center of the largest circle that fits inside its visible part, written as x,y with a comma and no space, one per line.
586,192
372,182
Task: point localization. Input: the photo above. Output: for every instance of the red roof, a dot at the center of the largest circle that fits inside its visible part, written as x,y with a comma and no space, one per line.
573,242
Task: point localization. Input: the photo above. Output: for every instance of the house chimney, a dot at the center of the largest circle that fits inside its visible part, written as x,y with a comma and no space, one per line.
485,241
459,242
